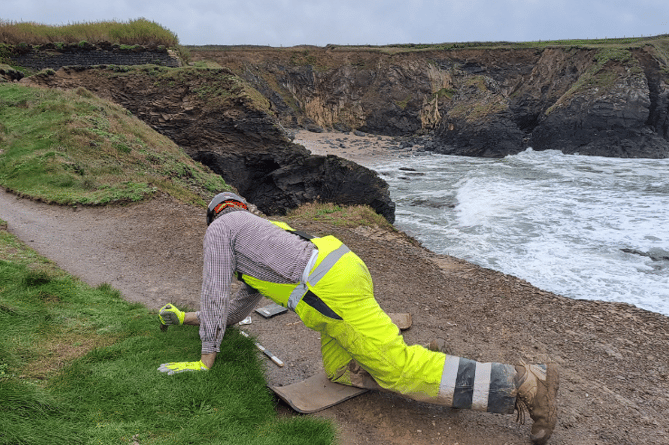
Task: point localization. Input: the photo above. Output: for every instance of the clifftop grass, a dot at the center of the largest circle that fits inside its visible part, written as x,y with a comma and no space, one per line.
660,43
71,147
133,32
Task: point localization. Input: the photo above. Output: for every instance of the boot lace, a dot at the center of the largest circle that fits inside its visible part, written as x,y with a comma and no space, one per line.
521,405
522,409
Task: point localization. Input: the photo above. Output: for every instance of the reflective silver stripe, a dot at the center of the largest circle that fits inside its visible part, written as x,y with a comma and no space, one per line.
296,295
448,378
327,264
318,273
310,265
481,386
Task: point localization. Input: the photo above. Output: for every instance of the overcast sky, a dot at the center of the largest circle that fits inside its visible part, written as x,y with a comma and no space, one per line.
374,22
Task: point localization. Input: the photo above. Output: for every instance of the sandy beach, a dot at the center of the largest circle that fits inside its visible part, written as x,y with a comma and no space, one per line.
365,150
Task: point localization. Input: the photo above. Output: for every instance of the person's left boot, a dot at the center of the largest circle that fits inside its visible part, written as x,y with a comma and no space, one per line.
537,387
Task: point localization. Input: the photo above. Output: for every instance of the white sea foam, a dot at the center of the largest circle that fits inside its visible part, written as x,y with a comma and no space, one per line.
580,226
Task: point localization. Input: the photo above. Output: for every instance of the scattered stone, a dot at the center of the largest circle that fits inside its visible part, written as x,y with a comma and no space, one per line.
315,128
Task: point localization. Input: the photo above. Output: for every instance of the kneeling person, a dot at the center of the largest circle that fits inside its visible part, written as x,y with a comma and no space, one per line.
329,287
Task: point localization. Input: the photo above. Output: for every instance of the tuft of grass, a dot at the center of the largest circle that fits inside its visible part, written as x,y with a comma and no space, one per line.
402,104
71,147
78,365
134,32
340,215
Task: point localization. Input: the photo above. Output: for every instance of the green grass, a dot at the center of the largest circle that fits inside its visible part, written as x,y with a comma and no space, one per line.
133,32
628,42
78,365
339,215
71,147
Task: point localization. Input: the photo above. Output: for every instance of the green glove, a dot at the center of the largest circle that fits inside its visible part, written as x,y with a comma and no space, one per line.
177,367
171,316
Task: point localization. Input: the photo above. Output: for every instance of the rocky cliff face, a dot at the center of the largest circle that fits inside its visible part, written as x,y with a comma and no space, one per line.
222,122
609,101
608,109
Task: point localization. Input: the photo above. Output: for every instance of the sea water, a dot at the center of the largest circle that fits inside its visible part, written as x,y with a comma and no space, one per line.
580,226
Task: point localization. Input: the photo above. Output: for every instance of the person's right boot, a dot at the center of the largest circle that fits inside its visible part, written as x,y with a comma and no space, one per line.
537,387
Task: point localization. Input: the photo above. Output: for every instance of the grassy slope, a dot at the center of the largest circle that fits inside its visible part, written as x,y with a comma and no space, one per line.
73,148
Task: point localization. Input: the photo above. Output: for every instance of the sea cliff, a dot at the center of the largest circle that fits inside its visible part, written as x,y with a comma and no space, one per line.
606,99
236,109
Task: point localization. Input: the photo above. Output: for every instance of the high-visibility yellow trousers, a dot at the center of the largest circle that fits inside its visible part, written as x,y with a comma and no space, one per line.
336,298
342,307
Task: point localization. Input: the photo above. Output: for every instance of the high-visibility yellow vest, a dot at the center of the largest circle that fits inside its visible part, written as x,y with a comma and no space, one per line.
289,295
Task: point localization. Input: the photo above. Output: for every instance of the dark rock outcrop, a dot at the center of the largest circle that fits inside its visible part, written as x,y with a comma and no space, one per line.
55,56
494,137
604,113
275,185
9,74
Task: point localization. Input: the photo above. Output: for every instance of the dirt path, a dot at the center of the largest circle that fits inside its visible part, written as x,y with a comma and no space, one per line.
614,357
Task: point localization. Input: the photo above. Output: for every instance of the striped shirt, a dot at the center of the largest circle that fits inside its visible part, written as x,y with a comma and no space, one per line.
242,242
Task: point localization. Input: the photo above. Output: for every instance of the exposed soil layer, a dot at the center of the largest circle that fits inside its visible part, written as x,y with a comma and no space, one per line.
613,357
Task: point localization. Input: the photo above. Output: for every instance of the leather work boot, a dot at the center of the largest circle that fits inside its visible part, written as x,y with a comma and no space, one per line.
537,387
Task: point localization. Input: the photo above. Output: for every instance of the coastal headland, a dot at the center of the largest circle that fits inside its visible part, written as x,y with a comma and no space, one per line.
241,112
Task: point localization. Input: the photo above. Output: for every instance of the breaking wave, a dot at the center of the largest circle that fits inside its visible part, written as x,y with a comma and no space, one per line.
580,226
